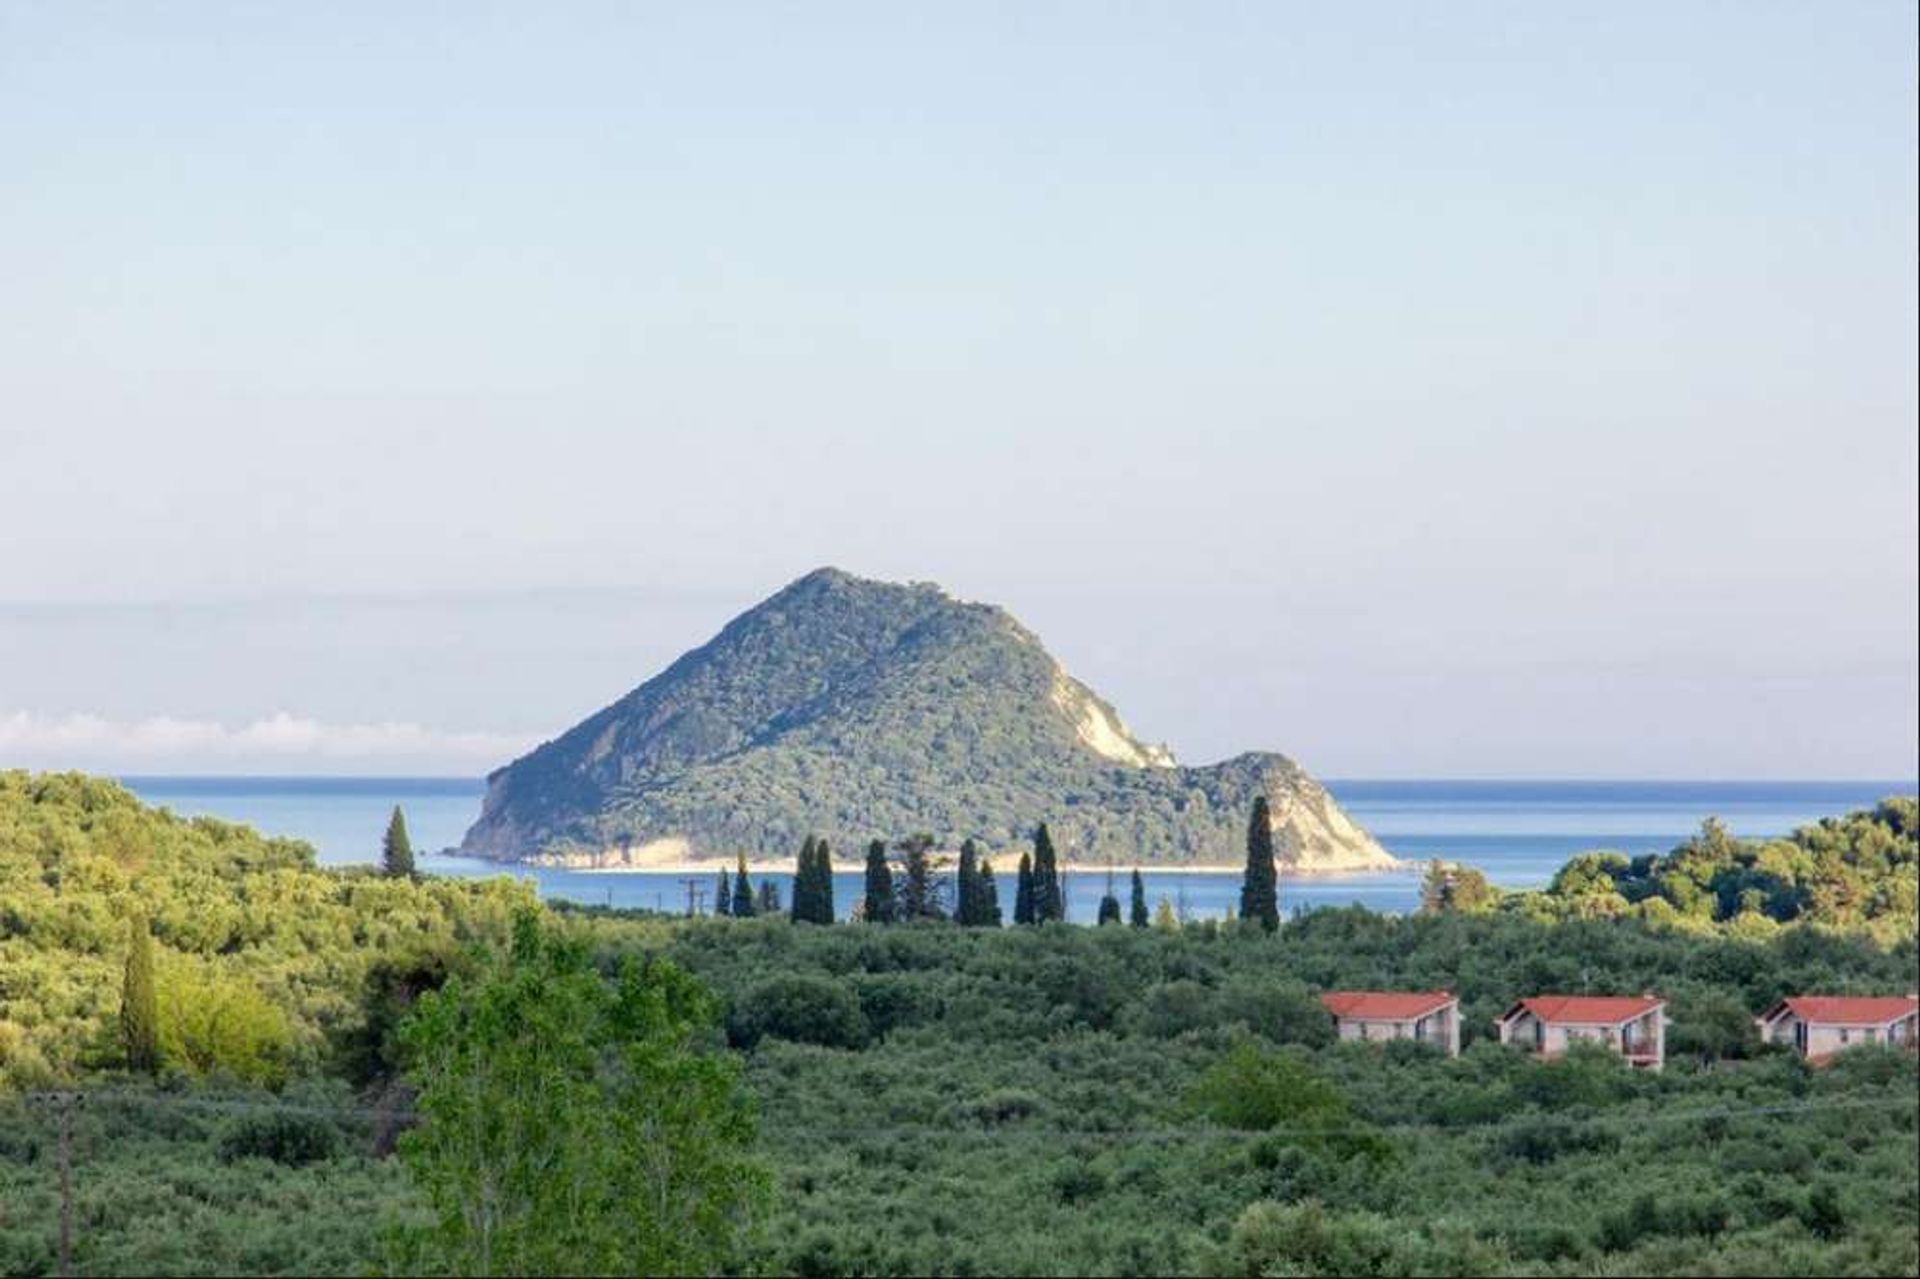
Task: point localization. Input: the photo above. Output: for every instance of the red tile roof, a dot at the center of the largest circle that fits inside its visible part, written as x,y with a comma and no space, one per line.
1385,1005
1846,1010
1586,1010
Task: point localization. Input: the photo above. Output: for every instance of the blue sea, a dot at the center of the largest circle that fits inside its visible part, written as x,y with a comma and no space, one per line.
1518,832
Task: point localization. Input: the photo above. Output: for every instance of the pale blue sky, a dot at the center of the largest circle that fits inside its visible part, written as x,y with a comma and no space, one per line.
1421,390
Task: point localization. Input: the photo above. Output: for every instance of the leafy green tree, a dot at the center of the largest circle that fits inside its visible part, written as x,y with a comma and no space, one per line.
216,1022
1023,891
1137,906
1109,910
1048,904
1260,891
571,1125
879,904
919,890
1447,888
723,894
396,849
743,903
767,897
139,1001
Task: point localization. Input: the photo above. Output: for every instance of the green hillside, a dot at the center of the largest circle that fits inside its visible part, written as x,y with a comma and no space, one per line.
851,708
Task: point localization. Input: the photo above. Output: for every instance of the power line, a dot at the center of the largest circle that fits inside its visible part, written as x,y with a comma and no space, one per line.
1162,1132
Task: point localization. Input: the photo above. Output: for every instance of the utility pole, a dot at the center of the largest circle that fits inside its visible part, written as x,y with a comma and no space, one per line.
63,1105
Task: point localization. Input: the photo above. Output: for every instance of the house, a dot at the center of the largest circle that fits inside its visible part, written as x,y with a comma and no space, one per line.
1818,1026
1428,1017
1635,1026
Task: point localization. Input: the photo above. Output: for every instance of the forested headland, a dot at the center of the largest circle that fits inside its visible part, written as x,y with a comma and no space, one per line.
263,1066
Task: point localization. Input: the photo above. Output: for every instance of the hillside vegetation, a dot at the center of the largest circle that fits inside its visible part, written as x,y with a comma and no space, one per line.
930,1099
848,709
261,955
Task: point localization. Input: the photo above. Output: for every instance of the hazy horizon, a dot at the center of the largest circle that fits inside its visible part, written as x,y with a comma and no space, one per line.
1496,392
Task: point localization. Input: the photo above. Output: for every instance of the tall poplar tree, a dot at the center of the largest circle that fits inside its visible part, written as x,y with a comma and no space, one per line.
743,905
1137,914
396,850
140,1000
1260,891
879,899
1023,892
723,894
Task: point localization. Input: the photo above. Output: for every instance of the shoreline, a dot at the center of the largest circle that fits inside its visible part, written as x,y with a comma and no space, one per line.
712,868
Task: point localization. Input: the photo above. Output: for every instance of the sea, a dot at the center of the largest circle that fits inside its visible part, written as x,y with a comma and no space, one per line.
1518,832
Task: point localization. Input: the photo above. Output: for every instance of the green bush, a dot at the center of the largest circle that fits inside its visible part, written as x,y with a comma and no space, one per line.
804,1009
285,1137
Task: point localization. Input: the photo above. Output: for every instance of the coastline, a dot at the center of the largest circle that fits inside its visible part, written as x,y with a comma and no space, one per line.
785,866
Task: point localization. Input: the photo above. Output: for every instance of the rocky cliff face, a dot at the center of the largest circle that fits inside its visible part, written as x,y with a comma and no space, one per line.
852,708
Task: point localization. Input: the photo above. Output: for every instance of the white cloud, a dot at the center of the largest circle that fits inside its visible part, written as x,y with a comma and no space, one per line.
282,742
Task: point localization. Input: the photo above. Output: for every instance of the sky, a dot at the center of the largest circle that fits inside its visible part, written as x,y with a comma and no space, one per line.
1450,391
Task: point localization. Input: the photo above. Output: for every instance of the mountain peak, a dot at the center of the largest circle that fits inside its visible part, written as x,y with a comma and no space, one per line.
853,708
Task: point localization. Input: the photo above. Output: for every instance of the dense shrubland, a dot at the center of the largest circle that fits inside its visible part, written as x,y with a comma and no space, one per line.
929,1098
1860,870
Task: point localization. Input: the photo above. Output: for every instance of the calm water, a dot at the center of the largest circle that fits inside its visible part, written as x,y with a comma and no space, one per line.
1519,833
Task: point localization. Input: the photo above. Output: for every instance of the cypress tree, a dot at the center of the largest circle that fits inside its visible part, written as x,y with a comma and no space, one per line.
803,882
966,911
1047,904
396,850
989,898
723,894
822,894
1260,891
1023,892
139,1000
768,898
743,907
1109,909
1137,915
879,901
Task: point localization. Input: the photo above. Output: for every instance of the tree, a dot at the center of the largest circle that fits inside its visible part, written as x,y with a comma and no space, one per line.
1109,909
1164,918
767,899
396,850
803,882
723,894
743,907
139,1000
989,896
1260,891
1047,902
1023,891
969,908
1137,913
919,890
879,898
1447,888
821,896
572,1125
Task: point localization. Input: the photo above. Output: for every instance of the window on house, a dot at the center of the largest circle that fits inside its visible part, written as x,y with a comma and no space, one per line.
1846,1036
